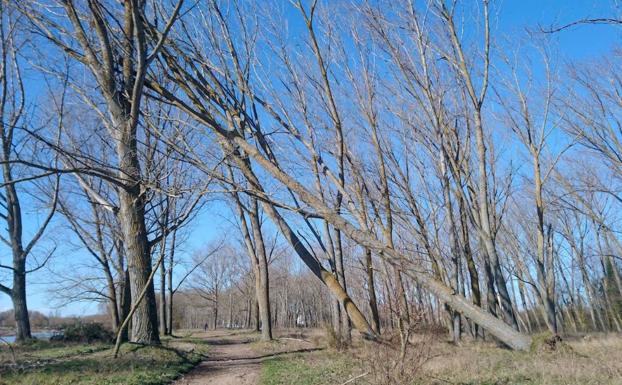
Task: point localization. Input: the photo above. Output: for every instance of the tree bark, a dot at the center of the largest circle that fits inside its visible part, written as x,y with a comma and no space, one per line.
125,304
262,287
371,291
171,291
18,296
163,319
132,218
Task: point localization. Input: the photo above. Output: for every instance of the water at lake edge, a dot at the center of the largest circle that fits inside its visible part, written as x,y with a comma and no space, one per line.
46,335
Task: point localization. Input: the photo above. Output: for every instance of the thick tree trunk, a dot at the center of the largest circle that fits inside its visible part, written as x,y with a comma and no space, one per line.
18,296
132,218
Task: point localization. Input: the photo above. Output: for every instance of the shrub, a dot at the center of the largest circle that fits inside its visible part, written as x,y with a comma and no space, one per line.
86,332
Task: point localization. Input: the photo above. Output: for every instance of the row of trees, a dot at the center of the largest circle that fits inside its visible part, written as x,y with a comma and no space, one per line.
412,149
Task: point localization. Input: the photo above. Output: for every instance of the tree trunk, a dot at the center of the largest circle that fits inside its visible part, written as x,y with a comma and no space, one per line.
371,291
162,304
171,292
112,303
491,296
256,312
468,255
506,334
262,283
125,303
346,333
544,266
163,323
230,320
215,311
145,319
357,318
18,296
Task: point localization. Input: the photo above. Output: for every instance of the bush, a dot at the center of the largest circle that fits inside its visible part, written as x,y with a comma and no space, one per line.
389,365
86,332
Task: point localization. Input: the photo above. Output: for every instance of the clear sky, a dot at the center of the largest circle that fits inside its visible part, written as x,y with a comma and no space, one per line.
514,17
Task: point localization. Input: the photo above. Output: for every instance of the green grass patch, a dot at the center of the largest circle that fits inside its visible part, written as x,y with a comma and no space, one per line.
94,364
317,368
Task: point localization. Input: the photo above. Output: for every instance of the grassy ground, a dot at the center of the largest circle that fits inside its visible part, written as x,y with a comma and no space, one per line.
594,361
43,363
316,368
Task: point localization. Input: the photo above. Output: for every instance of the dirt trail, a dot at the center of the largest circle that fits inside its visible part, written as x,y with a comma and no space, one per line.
235,358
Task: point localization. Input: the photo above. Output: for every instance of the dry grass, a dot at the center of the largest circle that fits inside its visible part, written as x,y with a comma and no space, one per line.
594,361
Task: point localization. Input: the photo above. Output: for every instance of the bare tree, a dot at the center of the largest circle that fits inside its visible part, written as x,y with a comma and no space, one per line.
227,120
117,52
13,100
249,222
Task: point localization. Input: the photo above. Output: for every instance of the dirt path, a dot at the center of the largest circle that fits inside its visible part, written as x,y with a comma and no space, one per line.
235,358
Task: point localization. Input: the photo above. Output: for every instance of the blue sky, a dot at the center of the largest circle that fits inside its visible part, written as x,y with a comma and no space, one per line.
577,42
513,18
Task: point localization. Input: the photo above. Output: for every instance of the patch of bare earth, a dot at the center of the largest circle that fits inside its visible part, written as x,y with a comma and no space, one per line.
235,358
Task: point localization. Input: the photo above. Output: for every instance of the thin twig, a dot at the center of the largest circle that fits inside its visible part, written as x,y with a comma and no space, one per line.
355,378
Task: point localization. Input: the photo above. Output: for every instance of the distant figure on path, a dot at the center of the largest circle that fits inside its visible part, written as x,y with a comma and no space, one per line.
205,327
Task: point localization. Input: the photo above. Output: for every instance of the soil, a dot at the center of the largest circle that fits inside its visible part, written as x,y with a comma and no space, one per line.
235,357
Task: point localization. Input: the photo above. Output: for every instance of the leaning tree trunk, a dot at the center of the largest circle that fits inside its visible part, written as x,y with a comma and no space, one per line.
346,303
357,318
234,144
507,334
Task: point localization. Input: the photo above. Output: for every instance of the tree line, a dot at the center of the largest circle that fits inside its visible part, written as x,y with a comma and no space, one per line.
420,164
